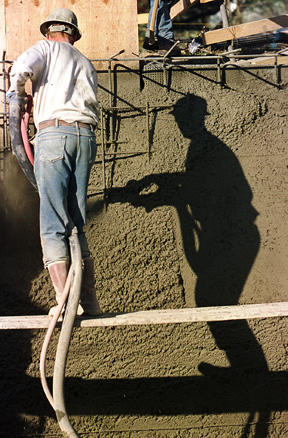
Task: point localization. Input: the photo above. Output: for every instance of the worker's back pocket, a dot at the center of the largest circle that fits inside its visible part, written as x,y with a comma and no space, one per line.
51,148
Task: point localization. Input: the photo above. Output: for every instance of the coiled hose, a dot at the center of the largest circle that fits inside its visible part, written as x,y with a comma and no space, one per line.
19,139
74,278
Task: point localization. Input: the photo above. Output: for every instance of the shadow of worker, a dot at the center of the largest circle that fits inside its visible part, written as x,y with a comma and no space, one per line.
212,199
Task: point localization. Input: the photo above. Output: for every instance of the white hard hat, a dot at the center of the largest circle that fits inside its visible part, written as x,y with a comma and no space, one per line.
61,16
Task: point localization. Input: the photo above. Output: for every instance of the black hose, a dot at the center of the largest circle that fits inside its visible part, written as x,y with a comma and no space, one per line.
65,337
17,141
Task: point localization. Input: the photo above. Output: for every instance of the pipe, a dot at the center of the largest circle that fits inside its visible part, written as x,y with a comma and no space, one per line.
17,141
24,127
48,336
65,337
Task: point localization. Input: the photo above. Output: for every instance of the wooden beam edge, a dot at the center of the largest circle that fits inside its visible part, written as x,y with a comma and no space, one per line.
246,29
176,10
151,317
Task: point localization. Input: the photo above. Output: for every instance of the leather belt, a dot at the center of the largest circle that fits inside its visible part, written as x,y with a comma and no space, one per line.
57,122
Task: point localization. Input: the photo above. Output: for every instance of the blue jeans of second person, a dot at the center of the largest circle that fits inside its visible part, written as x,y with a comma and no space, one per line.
63,159
163,24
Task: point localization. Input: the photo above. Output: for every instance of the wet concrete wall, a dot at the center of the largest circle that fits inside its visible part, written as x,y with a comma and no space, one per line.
194,214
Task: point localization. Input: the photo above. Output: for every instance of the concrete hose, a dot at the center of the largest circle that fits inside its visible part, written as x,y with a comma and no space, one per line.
65,337
15,121
48,336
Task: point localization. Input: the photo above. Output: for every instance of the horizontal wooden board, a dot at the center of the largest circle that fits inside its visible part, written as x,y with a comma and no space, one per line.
246,29
151,317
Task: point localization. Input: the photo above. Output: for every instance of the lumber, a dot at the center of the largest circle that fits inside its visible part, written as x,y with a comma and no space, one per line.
246,29
143,18
180,7
176,10
151,317
265,60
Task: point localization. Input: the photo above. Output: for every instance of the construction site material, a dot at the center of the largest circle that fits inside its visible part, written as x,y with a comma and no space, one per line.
110,18
246,29
180,7
269,60
176,10
151,317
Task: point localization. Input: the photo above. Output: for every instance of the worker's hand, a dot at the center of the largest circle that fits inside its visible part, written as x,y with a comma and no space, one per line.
20,100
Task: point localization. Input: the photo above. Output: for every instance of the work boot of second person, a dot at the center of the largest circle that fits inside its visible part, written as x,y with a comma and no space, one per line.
88,300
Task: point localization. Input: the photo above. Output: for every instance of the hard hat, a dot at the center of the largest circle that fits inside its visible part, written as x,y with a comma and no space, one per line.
61,16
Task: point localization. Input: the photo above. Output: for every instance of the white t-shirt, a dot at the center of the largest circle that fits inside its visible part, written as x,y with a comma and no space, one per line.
64,82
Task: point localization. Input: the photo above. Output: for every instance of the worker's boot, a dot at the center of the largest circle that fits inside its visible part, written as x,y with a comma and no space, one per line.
58,272
88,300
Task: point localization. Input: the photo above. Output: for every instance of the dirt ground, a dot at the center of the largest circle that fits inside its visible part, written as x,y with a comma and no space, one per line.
201,220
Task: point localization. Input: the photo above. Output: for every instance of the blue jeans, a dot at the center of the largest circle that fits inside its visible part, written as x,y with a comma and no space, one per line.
63,159
163,24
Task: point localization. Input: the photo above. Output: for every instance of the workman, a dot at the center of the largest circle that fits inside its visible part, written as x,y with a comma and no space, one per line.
66,110
163,29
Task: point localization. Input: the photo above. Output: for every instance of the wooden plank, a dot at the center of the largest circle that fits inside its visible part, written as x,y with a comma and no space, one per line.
143,18
107,26
281,60
180,7
176,10
151,317
246,29
206,1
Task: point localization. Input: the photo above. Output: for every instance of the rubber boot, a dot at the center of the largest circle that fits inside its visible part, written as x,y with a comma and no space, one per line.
58,273
88,299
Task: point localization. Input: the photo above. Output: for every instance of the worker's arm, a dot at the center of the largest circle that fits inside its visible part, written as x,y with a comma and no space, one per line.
27,66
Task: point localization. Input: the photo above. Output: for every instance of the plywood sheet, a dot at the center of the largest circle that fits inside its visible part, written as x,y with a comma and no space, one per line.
107,26
2,29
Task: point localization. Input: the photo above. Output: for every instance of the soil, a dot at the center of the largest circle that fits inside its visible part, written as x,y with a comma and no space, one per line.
200,220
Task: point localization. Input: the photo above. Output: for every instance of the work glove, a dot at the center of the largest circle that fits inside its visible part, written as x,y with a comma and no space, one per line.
12,97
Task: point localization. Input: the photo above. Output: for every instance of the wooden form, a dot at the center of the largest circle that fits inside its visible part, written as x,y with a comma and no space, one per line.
151,317
246,29
107,26
2,28
271,60
176,10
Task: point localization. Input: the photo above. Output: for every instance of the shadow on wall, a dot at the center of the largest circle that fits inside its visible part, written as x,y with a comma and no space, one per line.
220,240
20,261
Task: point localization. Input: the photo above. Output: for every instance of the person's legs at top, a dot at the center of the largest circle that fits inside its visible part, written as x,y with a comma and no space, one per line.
163,29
